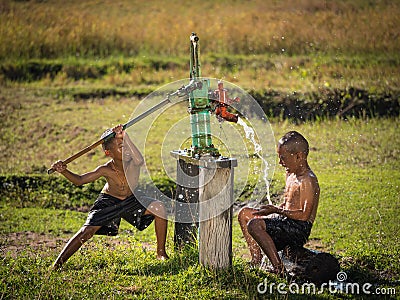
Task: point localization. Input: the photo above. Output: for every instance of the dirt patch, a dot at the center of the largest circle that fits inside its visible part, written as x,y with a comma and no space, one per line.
29,242
315,244
17,242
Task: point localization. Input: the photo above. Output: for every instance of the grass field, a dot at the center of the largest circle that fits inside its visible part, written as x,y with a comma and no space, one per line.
279,45
355,160
256,27
71,69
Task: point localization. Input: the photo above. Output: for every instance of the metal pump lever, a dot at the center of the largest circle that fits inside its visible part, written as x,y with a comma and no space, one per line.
183,91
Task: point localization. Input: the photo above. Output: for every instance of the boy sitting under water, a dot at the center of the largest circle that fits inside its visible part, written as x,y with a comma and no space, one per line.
295,216
116,200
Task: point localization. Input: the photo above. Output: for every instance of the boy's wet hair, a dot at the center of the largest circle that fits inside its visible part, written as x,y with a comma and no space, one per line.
294,142
107,142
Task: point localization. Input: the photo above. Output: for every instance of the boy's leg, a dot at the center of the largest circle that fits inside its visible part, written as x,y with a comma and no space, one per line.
157,209
258,230
85,233
244,217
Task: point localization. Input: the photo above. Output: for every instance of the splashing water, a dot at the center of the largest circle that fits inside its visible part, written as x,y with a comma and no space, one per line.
250,135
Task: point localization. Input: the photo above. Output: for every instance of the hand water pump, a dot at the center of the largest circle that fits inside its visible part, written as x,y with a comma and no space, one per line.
202,103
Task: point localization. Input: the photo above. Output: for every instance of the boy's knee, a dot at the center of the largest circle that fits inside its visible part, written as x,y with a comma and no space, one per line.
157,208
255,225
241,213
87,232
244,213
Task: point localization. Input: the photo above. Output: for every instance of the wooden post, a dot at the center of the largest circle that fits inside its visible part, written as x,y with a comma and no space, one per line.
207,181
216,200
187,191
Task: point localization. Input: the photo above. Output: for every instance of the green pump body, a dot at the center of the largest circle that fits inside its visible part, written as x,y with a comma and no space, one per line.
199,106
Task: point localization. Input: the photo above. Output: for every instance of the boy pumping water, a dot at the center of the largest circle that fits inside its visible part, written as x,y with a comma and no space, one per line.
116,199
271,228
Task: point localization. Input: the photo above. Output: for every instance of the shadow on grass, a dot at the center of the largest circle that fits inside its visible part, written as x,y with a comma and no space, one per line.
179,261
239,278
362,273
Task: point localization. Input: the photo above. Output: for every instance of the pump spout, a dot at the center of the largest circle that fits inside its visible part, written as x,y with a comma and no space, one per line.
222,113
223,101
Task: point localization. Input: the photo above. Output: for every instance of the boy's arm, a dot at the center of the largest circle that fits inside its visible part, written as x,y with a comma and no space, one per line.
308,190
133,152
76,179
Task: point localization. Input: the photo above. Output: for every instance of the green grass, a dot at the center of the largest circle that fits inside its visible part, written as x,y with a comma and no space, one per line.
353,224
355,161
50,129
127,267
65,78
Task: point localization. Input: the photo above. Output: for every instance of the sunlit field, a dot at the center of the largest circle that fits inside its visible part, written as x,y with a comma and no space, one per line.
132,27
71,69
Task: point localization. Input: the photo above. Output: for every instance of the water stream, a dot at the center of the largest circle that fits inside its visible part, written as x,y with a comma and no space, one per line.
250,135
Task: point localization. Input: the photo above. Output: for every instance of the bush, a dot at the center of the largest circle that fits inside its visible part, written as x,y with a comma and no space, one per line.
47,192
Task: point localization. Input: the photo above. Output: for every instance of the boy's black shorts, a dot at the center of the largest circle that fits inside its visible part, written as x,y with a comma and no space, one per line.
108,210
288,232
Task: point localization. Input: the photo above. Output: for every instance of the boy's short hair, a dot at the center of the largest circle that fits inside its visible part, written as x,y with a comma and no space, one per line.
294,142
106,143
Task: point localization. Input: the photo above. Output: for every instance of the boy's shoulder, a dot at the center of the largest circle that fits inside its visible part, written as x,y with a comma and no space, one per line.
310,177
105,167
307,176
311,174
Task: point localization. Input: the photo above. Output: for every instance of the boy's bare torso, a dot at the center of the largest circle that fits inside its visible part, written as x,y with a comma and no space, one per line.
117,183
302,194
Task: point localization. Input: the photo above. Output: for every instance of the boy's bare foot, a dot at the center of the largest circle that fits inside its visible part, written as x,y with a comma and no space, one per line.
256,260
162,257
254,264
55,267
280,272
